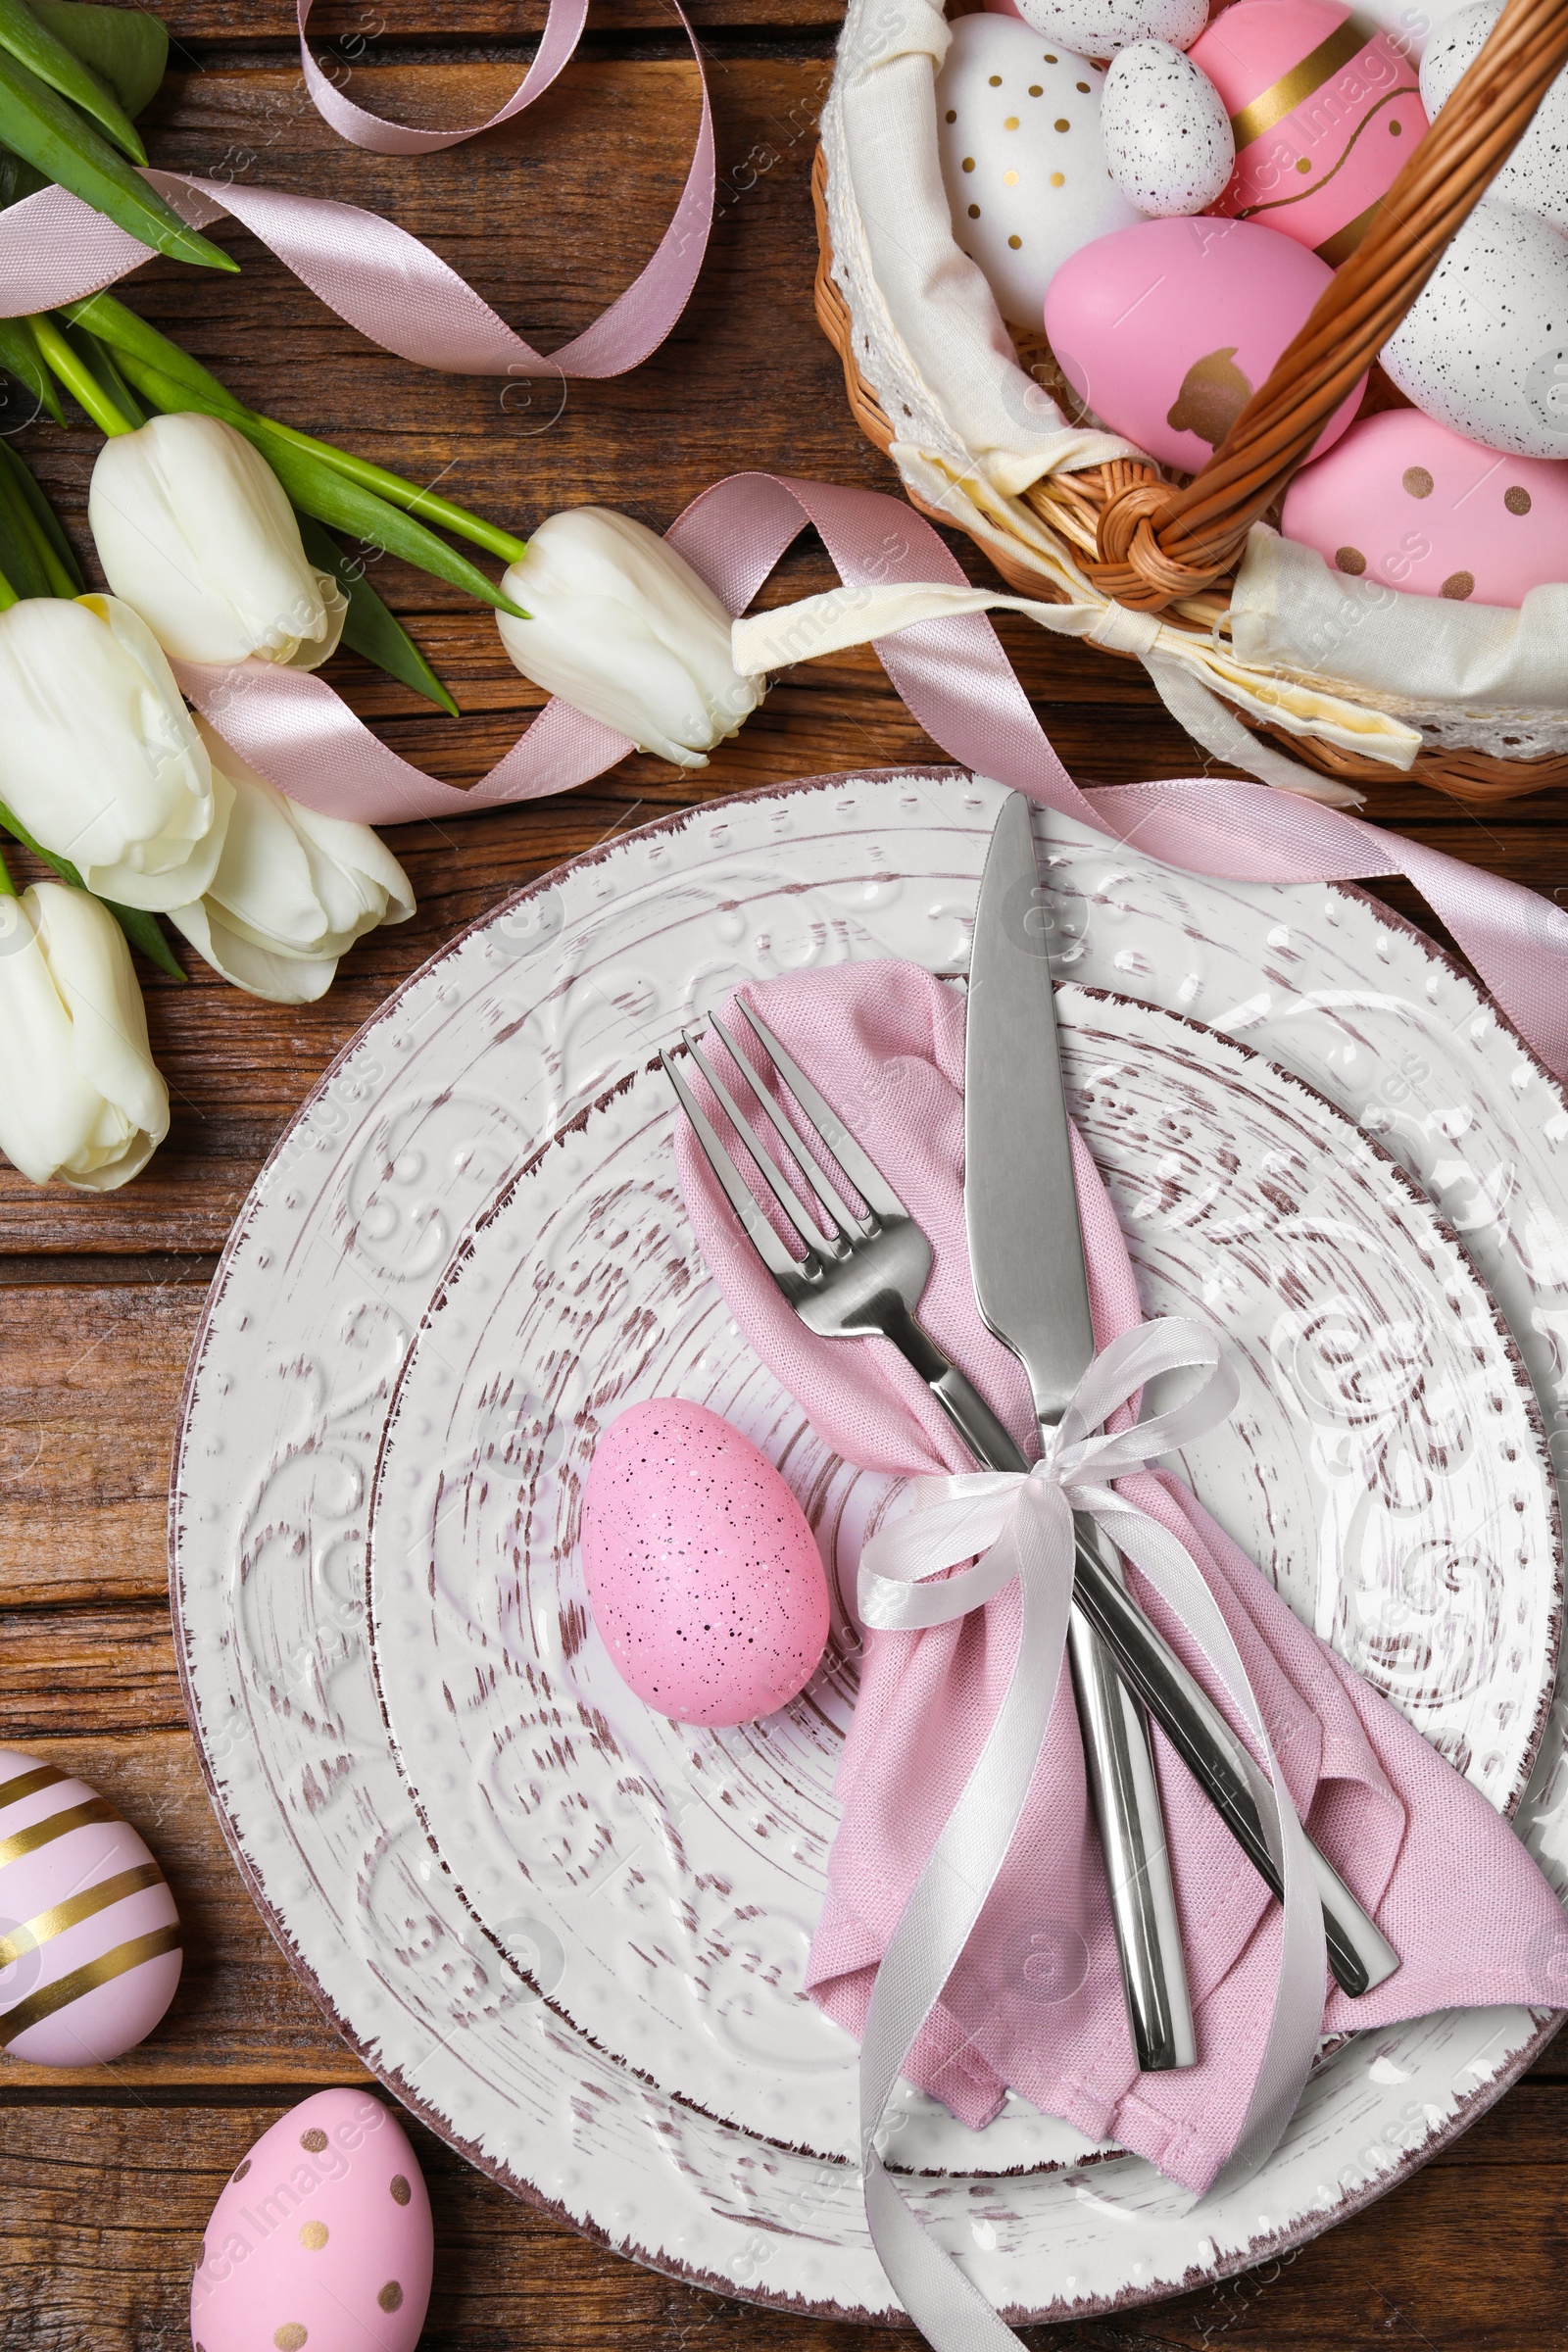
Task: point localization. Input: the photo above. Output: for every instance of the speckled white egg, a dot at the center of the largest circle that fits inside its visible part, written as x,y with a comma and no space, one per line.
1099,28
1168,140
321,2240
1535,174
89,1936
1023,159
1485,347
1410,24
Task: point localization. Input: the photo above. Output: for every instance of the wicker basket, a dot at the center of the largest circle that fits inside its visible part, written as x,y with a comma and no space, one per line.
1172,548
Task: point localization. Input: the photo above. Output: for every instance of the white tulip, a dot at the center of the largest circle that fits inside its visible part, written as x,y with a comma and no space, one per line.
293,890
195,531
623,628
99,758
80,1095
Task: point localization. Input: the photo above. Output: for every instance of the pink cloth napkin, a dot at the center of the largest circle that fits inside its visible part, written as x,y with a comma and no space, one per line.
1036,2001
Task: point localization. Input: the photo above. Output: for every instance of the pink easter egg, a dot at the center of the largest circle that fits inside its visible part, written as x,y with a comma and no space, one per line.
322,2239
89,1936
1166,329
1404,501
1325,112
703,1575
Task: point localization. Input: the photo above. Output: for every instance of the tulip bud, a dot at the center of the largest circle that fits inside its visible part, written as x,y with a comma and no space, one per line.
621,626
99,758
293,890
194,530
79,1094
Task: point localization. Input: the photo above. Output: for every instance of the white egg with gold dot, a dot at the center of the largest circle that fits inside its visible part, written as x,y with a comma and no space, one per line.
1023,160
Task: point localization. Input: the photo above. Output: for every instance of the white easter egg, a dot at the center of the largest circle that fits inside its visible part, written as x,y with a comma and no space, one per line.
1023,159
1484,348
1535,174
1410,24
89,1936
1099,28
1168,140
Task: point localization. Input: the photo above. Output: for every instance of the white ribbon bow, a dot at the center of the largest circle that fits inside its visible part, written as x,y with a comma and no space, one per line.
1021,1523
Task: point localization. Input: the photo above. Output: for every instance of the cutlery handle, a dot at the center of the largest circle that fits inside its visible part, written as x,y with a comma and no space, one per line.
1118,1761
1359,1954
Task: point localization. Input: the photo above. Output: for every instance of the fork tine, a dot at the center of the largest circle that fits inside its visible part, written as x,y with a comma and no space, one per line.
845,1218
831,1132
737,1192
810,1238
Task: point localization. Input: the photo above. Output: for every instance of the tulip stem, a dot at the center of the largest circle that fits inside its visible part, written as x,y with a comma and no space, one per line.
423,504
78,378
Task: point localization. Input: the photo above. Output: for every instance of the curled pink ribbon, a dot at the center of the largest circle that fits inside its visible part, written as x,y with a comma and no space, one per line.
54,249
961,686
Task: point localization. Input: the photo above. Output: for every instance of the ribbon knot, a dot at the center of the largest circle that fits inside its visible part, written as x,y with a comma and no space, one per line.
966,1540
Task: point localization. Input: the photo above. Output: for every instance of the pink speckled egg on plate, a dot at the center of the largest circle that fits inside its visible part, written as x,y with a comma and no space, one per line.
321,2240
703,1575
89,1936
1166,329
1326,111
1404,501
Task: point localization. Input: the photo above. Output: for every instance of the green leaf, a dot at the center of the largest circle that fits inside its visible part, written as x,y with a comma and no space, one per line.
20,559
18,357
107,318
143,930
127,46
49,132
371,629
318,489
47,521
32,43
100,359
16,180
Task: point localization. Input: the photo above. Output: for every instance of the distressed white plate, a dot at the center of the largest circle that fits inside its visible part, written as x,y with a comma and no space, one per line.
516,1029
1386,1466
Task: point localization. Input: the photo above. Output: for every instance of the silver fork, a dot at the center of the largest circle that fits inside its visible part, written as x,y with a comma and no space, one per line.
865,1276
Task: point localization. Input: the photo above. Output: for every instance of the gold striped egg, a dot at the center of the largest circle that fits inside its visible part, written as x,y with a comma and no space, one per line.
89,1936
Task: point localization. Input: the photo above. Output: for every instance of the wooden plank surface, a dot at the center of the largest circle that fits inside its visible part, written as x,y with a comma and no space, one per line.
106,2178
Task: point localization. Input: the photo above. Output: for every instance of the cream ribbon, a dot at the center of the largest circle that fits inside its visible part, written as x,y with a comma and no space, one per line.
1185,668
1021,1523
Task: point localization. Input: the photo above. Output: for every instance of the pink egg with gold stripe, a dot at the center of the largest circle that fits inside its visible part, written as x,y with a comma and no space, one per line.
89,1936
1325,110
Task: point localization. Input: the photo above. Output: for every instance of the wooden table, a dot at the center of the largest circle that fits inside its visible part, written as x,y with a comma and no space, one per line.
106,2179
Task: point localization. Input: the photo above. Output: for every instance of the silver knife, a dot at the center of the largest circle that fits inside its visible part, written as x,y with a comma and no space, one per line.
1033,1296
1030,1285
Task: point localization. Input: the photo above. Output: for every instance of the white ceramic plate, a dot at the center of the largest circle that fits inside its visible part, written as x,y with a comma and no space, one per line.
1386,1466
520,1028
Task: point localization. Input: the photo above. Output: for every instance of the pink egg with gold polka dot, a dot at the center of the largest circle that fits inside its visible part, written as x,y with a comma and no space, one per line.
1404,502
321,2240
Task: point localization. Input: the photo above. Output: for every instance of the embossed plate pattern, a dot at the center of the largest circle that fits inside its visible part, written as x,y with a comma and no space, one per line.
518,1026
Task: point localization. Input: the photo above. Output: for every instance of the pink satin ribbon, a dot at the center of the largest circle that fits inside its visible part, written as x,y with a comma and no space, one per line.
958,683
54,249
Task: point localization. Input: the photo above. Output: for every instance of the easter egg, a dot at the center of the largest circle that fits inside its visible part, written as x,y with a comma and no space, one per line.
703,1576
321,2240
1535,174
1099,28
1484,348
1023,159
1324,115
89,1936
1167,136
1404,501
1166,330
1410,24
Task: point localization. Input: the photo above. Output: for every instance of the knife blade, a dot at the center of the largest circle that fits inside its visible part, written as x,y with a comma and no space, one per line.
1010,973
1032,1289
